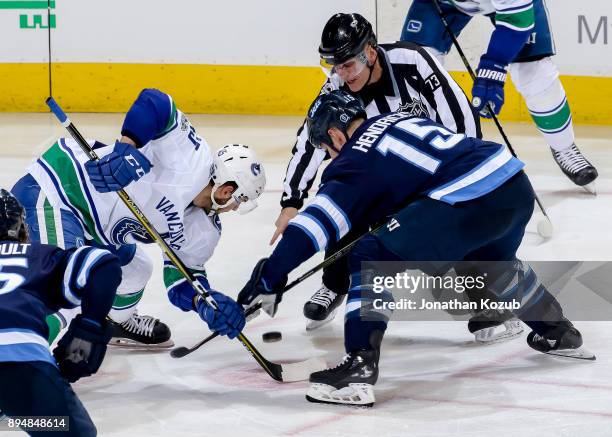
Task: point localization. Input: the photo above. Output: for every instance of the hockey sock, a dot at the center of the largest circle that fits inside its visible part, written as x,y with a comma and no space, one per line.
539,84
538,308
123,306
551,113
366,315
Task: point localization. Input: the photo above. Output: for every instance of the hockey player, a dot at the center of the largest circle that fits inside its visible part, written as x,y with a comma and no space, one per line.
522,45
467,200
175,179
385,77
36,280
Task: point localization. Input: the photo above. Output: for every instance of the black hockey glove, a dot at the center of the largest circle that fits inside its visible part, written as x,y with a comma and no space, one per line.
257,290
81,350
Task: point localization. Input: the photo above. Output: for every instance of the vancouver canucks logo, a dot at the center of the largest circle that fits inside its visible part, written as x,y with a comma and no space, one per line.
414,108
129,226
256,168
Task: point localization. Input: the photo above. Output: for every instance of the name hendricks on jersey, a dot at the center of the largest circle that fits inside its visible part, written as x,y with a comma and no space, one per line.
369,137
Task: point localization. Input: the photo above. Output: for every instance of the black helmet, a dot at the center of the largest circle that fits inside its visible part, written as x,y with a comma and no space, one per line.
344,37
12,218
336,109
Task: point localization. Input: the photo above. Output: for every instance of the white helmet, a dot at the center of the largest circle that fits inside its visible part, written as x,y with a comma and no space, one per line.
239,164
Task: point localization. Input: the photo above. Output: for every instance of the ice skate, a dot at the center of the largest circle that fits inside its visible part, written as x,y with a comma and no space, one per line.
321,308
351,382
576,167
141,332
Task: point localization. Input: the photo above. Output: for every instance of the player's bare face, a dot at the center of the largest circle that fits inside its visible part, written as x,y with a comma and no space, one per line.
223,196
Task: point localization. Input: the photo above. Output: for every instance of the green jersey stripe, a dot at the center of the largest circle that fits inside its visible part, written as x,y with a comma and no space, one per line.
50,223
172,275
522,20
62,165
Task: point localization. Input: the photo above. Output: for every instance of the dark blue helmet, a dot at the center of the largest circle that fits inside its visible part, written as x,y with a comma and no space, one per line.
12,218
344,37
336,109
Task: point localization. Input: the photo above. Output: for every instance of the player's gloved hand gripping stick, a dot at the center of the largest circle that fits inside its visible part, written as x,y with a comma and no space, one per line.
181,351
278,372
545,227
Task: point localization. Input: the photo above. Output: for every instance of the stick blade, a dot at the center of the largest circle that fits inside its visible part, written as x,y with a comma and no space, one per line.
301,370
179,352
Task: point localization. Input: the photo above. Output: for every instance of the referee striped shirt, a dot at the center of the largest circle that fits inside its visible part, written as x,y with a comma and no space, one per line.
412,81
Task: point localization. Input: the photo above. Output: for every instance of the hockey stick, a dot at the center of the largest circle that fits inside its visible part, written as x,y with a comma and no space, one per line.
545,227
276,371
182,351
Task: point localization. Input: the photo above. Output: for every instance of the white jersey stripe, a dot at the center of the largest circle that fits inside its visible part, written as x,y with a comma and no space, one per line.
334,212
313,228
495,162
21,336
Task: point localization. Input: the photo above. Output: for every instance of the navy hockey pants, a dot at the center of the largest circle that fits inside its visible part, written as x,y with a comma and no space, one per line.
489,228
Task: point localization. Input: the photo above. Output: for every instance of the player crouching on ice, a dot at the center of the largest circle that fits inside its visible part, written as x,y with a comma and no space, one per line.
177,182
36,280
469,200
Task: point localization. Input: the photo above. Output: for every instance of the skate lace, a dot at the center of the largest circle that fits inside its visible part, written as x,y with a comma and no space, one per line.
140,325
324,296
344,359
571,159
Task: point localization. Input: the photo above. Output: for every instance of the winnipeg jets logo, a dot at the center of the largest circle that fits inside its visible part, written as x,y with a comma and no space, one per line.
414,108
344,118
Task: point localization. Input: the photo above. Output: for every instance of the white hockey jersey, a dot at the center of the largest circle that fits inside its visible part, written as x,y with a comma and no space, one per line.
182,167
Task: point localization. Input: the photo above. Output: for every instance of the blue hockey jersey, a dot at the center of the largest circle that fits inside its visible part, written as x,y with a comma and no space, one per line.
37,280
389,161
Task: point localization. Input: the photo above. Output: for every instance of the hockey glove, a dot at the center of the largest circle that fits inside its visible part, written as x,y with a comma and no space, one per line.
257,290
227,320
125,164
81,350
489,87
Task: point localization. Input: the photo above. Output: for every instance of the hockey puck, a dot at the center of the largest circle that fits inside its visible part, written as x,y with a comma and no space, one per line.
271,337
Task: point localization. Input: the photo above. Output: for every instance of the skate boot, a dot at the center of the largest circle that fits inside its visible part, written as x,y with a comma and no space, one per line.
576,167
141,332
322,308
494,326
351,382
562,340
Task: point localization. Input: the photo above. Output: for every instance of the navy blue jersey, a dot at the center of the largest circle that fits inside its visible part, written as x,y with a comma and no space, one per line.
37,280
389,161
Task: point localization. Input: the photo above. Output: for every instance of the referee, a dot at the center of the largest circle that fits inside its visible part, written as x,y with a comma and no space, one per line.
386,78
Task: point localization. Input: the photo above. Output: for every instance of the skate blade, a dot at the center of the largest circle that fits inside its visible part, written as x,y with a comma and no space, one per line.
590,188
577,354
312,325
513,330
132,344
355,395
